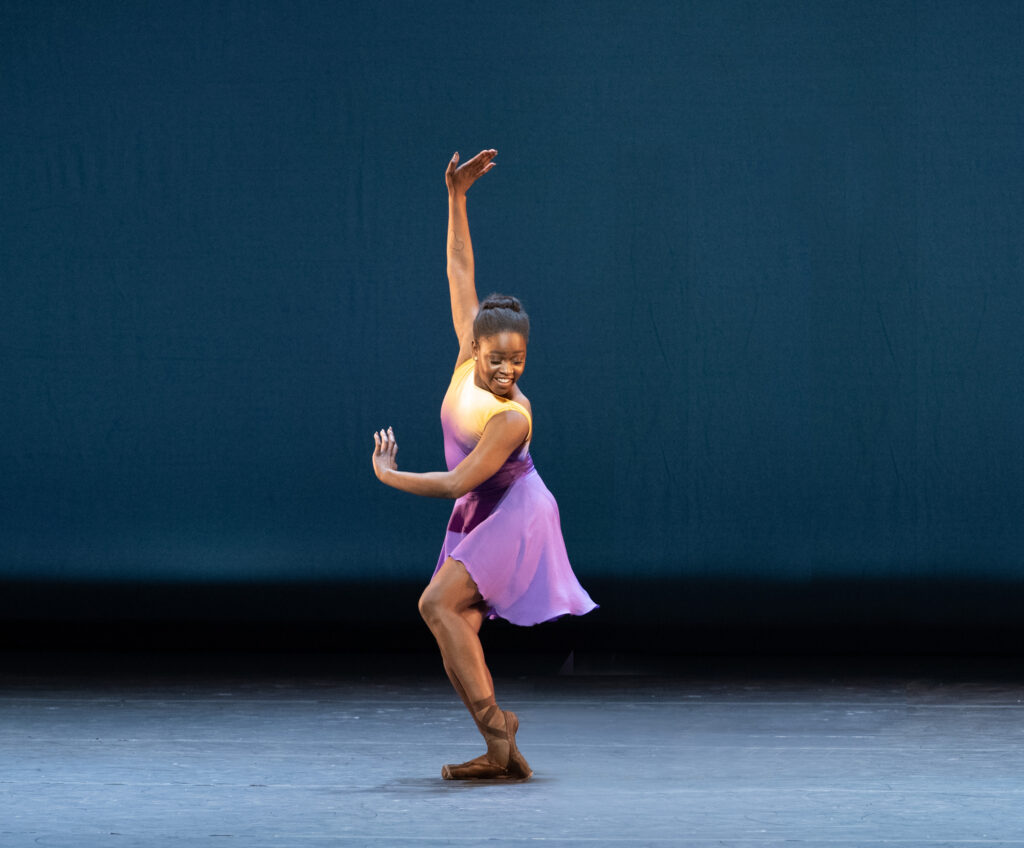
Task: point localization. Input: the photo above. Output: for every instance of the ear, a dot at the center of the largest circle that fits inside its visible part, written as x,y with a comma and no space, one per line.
475,349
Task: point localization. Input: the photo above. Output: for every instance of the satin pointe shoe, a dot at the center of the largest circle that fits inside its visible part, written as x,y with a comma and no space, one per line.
483,767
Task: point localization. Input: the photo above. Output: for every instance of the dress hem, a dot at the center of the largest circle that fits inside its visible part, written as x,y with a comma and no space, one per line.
493,613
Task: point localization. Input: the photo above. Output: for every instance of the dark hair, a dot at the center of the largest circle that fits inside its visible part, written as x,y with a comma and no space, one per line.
501,313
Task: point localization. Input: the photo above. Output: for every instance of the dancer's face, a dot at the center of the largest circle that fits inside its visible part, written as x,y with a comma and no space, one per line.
500,360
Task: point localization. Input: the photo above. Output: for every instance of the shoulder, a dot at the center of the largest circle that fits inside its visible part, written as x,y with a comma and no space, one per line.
523,400
462,369
512,429
520,423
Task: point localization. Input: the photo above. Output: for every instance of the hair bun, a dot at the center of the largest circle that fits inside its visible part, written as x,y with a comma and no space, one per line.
499,313
501,301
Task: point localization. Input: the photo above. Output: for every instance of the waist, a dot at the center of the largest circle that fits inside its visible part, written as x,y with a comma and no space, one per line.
504,477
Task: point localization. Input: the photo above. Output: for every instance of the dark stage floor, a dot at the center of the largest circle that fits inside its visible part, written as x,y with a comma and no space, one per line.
316,751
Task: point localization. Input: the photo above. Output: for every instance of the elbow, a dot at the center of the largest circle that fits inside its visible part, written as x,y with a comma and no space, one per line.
456,487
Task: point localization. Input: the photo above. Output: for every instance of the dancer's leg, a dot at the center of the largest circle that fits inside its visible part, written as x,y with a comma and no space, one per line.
474,617
479,765
450,606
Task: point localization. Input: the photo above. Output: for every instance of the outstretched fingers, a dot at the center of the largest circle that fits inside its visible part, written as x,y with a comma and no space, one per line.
461,177
482,162
385,448
384,443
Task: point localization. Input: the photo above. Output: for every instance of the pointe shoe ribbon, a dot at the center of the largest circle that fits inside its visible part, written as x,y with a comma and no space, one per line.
484,768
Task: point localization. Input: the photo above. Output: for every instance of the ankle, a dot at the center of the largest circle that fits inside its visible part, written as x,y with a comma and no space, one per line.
489,717
484,703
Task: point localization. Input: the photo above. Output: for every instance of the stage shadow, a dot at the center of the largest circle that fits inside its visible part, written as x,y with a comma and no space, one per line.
437,785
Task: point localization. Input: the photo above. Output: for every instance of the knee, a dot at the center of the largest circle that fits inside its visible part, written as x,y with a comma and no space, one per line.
431,608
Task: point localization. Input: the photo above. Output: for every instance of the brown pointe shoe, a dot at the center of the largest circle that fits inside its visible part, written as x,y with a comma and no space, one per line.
518,768
480,768
484,767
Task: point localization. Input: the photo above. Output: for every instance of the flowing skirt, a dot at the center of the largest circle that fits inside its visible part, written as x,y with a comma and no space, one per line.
510,541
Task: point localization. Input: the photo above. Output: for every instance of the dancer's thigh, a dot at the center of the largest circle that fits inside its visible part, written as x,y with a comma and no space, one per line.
452,588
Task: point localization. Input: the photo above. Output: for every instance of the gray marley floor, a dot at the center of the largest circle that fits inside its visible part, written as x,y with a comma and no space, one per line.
344,758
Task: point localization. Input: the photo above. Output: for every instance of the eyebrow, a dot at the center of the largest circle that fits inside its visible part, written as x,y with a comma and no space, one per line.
502,353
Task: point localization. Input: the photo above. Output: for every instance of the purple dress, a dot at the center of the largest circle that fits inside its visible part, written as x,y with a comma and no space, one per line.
506,532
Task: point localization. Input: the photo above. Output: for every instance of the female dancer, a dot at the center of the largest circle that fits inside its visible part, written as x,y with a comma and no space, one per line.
503,553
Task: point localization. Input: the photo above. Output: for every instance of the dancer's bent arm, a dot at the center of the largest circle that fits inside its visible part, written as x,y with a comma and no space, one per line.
461,268
504,433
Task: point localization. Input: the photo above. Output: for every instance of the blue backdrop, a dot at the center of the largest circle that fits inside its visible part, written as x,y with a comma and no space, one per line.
772,251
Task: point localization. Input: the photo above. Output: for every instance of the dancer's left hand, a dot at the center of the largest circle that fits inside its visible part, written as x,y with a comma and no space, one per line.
460,177
384,452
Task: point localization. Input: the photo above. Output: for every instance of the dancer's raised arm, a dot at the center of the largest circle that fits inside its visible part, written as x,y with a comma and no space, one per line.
461,270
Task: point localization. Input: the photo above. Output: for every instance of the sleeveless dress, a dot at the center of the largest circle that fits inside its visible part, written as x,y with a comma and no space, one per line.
506,532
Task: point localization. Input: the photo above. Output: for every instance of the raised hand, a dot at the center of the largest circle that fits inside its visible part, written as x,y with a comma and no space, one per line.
384,452
459,178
